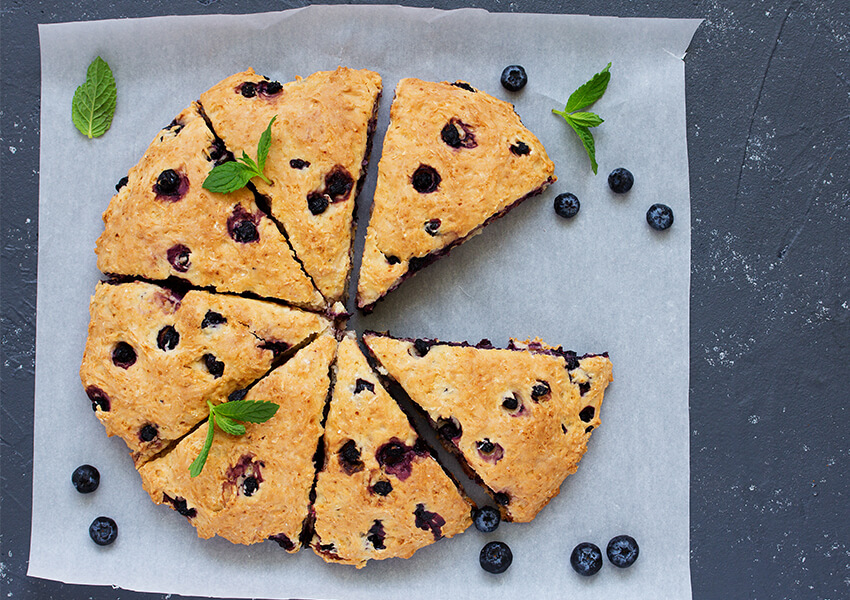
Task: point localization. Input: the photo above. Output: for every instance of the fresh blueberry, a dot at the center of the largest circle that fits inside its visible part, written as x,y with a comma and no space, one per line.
121,183
495,557
382,488
168,182
213,319
425,179
123,355
586,559
148,433
621,180
167,338
103,531
659,216
86,479
514,78
317,202
622,551
587,413
567,205
486,519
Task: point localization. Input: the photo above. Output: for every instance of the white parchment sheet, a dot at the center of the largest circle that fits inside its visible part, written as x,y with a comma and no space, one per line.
603,281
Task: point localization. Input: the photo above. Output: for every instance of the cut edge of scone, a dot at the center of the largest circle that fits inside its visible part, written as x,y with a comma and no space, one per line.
372,471
380,273
590,373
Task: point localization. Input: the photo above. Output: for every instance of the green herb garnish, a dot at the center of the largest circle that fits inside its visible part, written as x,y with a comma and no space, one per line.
231,176
94,101
581,122
226,415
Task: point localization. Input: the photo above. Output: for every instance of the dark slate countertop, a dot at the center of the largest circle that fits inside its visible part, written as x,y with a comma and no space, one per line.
768,103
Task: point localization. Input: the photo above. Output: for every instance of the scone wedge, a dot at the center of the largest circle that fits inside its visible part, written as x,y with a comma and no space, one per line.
381,493
320,144
255,486
453,159
162,223
153,359
518,418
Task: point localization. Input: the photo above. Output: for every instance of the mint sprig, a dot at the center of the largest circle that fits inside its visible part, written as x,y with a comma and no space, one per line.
581,122
226,415
233,175
93,105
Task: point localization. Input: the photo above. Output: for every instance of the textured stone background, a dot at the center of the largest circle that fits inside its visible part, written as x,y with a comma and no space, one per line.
768,87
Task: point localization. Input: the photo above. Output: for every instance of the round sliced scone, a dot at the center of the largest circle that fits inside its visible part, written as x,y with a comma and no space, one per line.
381,493
163,223
153,359
518,418
255,486
320,145
453,160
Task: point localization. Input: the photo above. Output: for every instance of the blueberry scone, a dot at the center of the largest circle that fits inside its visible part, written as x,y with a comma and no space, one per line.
255,486
320,146
381,493
163,223
153,359
453,159
518,418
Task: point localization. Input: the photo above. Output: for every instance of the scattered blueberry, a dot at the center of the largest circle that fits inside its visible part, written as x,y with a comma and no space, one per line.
382,488
520,149
539,390
432,227
659,216
317,202
486,446
514,78
510,402
86,479
449,429
103,531
452,136
250,485
586,559
486,519
248,89
421,346
391,453
425,179
121,183
273,87
168,182
148,433
567,205
167,338
621,180
622,551
214,366
123,355
245,232
495,557
502,499
587,413
213,319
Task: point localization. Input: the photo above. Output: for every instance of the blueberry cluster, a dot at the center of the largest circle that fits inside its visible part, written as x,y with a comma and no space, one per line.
586,558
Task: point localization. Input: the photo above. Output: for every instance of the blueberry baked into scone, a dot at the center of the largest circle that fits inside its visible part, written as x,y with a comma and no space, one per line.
381,493
163,223
518,418
321,140
153,359
453,159
256,486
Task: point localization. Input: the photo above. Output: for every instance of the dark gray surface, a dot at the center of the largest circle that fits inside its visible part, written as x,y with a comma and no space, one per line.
768,89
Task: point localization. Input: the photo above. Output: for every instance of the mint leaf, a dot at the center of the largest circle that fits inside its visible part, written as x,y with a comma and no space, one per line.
264,144
249,162
589,146
585,119
249,411
228,177
198,464
590,92
228,425
93,105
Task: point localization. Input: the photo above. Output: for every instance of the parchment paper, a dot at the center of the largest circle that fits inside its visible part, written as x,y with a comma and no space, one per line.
602,281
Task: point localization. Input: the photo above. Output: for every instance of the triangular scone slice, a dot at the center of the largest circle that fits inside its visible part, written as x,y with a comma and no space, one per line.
153,359
255,486
381,493
320,146
163,223
519,418
453,159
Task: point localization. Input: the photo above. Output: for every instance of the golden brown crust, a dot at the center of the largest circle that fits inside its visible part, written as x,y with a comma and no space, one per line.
145,232
323,120
170,379
524,452
480,177
355,523
277,454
